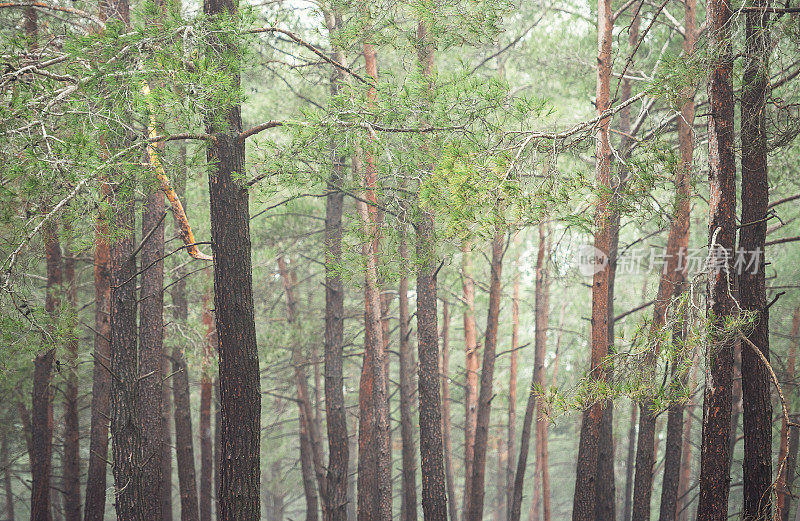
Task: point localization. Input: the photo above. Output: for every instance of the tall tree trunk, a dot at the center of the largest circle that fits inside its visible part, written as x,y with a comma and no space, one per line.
206,392
151,352
72,465
409,474
542,326
589,446
5,461
736,399
714,455
787,473
686,438
512,383
631,462
434,495
477,491
540,346
335,413
239,383
757,404
472,364
42,396
373,333
101,378
125,423
446,422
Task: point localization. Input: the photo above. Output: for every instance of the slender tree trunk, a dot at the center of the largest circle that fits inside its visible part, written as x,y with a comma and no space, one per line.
206,391
335,413
686,463
542,326
101,379
472,365
352,512
217,441
736,399
151,353
434,495
409,477
307,467
7,490
184,441
714,455
787,473
512,384
477,492
757,403
72,466
588,450
42,396
540,346
631,462
446,422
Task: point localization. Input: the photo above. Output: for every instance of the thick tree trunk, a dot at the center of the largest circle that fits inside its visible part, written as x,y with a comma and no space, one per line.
540,346
757,404
239,383
787,473
714,455
125,423
101,379
151,353
477,492
409,473
447,427
206,392
472,364
42,397
434,495
584,502
511,431
336,500
72,465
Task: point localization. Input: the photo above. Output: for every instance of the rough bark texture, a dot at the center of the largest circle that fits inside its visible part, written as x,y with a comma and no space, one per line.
756,400
714,455
335,414
125,424
151,353
788,439
477,491
239,383
42,395
584,502
409,448
447,428
434,495
101,378
72,464
540,345
472,364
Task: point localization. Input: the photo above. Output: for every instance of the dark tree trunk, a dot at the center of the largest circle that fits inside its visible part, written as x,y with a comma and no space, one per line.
477,492
206,391
757,404
686,462
5,461
788,447
151,353
672,464
217,442
631,463
101,379
714,455
72,465
511,429
409,448
307,468
434,494
335,413
447,428
542,327
584,502
166,445
736,398
239,383
125,423
42,397
540,346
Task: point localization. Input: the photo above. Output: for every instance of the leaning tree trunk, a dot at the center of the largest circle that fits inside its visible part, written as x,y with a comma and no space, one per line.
239,383
335,413
584,501
477,492
151,353
42,397
756,399
101,378
714,453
